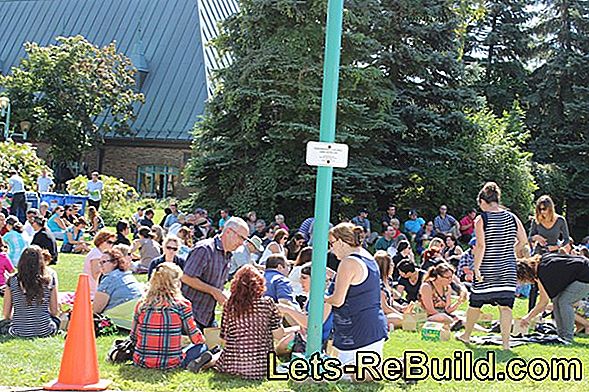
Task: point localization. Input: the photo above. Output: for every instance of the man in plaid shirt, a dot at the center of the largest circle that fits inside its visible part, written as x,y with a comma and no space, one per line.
207,267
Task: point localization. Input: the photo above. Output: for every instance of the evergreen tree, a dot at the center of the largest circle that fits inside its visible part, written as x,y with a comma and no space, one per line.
500,43
249,149
558,113
420,55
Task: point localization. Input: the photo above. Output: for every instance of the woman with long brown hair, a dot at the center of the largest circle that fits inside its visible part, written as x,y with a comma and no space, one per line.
391,309
549,231
161,318
249,324
30,300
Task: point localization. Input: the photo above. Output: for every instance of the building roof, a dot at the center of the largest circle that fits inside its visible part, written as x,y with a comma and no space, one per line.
164,36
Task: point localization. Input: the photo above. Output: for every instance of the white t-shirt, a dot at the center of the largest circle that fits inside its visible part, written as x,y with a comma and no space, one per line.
43,183
17,184
94,190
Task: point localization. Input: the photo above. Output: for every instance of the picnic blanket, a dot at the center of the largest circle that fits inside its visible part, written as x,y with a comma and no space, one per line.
536,337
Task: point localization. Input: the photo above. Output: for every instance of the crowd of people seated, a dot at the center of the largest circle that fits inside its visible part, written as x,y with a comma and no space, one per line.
372,278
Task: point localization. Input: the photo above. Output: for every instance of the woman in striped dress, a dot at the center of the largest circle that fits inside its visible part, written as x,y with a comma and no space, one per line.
30,301
498,233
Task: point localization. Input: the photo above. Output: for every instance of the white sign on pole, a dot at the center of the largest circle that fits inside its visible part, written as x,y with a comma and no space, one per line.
327,154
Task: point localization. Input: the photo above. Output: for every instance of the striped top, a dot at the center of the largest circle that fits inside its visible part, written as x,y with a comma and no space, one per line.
498,266
32,320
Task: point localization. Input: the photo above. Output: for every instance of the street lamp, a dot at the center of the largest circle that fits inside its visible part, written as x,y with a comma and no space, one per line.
5,113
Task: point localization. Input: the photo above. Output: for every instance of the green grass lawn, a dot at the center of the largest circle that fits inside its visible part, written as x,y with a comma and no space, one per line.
29,363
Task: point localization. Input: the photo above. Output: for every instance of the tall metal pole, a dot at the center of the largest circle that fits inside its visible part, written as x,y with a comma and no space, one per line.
333,38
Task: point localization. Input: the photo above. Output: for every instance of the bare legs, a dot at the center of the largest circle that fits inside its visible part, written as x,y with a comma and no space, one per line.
472,316
506,319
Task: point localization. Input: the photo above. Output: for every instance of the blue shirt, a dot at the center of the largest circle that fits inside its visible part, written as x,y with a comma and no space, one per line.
74,236
16,245
278,286
414,225
52,224
444,225
120,286
170,220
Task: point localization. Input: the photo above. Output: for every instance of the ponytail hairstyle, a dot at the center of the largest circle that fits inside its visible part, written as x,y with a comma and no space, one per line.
491,193
438,270
348,233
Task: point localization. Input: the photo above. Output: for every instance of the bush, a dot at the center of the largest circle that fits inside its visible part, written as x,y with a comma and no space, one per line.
119,200
23,158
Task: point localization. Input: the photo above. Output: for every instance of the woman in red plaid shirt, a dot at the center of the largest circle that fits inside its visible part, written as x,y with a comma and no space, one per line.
160,320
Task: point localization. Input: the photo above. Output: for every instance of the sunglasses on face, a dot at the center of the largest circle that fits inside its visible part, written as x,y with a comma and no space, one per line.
106,261
171,248
111,242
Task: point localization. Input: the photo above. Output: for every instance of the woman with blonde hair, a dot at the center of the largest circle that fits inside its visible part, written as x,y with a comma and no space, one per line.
549,231
161,318
359,322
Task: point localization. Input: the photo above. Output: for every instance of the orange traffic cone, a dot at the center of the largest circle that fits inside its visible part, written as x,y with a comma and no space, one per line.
79,364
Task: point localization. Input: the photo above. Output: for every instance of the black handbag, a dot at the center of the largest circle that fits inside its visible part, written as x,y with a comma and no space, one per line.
121,351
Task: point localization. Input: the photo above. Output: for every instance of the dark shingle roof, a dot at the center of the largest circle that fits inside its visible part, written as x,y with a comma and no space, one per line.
169,30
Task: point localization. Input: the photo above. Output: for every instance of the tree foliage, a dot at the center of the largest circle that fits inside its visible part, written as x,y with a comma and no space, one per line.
401,109
117,200
72,93
558,114
23,158
500,43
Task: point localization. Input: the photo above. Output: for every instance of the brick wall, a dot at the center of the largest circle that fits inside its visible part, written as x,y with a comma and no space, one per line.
123,161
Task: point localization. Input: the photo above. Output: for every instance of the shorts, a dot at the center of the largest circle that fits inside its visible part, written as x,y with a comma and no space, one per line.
501,301
349,356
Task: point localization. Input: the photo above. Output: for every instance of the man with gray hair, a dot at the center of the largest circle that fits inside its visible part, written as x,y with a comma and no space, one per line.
207,268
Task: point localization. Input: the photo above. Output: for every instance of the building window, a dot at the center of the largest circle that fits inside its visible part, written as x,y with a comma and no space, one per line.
157,181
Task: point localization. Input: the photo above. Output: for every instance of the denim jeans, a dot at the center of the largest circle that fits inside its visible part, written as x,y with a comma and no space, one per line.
564,313
192,352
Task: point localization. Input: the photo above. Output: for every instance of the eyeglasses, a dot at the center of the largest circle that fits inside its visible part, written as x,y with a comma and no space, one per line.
111,242
107,261
244,238
447,277
171,248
